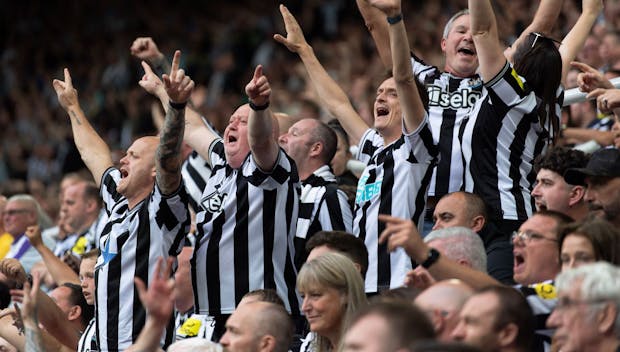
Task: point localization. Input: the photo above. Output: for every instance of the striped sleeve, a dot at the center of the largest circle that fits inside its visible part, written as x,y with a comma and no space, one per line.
107,189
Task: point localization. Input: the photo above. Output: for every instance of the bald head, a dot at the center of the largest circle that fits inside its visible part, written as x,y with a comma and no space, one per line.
442,302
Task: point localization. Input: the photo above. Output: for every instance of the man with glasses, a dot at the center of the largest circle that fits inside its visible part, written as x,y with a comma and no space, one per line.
21,211
586,315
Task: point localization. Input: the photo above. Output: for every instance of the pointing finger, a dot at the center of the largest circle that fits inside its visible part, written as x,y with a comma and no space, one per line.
258,72
68,78
176,60
147,68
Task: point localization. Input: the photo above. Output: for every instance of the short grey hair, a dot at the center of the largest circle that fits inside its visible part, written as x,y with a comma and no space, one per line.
598,281
448,27
461,243
43,220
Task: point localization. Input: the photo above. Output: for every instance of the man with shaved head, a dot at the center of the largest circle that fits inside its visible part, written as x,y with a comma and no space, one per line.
442,302
146,205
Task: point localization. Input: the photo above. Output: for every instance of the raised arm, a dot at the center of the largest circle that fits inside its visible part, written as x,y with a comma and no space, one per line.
544,20
196,134
403,233
61,272
168,161
484,32
144,48
576,37
408,95
262,141
94,151
332,96
378,28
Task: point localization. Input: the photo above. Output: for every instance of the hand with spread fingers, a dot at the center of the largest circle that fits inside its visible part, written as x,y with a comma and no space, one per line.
178,85
295,39
419,278
158,299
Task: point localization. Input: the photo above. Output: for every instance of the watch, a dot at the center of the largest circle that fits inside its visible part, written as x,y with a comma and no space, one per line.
433,255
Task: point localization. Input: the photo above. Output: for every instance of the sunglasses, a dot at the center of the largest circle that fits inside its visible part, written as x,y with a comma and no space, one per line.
538,35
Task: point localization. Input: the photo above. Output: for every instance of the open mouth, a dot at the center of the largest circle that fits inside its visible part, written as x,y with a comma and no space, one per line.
232,139
541,206
124,173
382,111
518,260
466,51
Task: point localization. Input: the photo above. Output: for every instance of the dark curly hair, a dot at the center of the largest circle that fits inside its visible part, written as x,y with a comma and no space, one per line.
559,159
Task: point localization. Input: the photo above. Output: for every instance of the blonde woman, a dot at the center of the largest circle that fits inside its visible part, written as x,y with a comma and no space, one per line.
332,290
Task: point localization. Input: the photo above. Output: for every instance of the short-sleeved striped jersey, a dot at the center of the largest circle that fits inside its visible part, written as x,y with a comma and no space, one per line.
131,243
245,233
195,172
500,140
394,182
88,340
451,99
322,207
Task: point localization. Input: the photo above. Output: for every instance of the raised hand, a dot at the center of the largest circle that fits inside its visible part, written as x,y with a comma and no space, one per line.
294,40
589,78
402,233
419,278
67,95
258,90
177,84
158,300
388,7
13,270
34,235
144,48
150,82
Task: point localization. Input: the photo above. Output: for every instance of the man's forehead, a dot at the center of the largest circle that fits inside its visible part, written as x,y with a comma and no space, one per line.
539,223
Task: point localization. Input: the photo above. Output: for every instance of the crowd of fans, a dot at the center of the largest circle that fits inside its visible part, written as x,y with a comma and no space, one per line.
91,201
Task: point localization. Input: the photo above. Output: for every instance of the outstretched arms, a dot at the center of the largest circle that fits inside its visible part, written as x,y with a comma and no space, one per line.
262,141
331,95
408,95
574,40
94,151
178,87
403,233
484,32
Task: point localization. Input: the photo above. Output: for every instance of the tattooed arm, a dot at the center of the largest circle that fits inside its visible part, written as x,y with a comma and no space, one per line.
168,160
94,151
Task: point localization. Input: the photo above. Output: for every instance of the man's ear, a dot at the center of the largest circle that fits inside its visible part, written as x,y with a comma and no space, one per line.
478,223
316,149
267,343
507,334
74,313
606,318
576,195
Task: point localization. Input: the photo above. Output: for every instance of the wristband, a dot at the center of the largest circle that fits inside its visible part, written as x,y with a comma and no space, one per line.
433,255
258,107
178,106
395,19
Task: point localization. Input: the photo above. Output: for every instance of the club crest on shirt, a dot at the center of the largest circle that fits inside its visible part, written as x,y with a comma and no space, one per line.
214,202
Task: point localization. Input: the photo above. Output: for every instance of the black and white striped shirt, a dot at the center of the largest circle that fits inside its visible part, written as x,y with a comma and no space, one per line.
245,233
195,172
542,298
500,140
131,242
322,207
394,182
451,99
88,340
